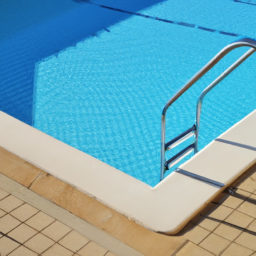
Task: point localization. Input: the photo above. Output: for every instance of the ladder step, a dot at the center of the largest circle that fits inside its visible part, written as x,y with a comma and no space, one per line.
175,159
180,138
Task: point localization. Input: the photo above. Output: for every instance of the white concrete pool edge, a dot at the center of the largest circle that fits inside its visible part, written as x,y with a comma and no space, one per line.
165,208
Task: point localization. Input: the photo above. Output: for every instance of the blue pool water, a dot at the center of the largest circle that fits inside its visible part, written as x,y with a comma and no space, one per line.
104,94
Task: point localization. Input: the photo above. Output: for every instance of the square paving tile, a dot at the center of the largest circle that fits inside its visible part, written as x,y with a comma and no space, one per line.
24,212
39,243
234,202
248,185
22,233
2,213
191,249
215,244
252,226
56,231
74,241
205,223
227,232
110,254
3,194
236,250
7,223
22,251
40,221
219,212
57,250
92,249
195,234
9,203
239,219
247,240
7,246
248,207
253,175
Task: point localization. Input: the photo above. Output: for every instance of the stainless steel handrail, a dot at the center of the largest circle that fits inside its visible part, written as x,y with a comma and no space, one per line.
248,42
212,85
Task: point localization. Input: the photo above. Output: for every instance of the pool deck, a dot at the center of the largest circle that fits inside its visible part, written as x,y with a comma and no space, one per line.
126,216
26,230
156,208
139,240
226,226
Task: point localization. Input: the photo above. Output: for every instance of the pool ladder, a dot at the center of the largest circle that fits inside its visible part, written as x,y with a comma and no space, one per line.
166,164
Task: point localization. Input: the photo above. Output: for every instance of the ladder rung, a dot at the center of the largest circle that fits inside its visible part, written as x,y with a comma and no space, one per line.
180,138
175,159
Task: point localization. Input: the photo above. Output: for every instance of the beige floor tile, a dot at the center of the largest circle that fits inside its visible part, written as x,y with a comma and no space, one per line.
56,231
239,219
252,226
92,249
236,250
22,233
24,212
7,223
110,254
191,249
74,241
253,175
57,250
227,232
9,203
248,208
3,194
195,234
217,211
247,240
2,213
205,223
39,243
22,251
215,244
234,202
40,221
249,185
7,246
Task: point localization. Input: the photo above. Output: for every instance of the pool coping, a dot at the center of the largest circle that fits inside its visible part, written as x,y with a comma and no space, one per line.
159,208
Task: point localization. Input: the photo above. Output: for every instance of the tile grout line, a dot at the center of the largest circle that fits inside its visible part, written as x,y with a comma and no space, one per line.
221,222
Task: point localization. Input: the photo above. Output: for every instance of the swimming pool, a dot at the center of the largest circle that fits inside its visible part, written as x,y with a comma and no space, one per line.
105,95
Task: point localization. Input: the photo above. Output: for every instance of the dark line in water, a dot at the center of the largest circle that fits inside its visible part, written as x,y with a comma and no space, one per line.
242,2
106,29
190,25
228,34
207,29
186,24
